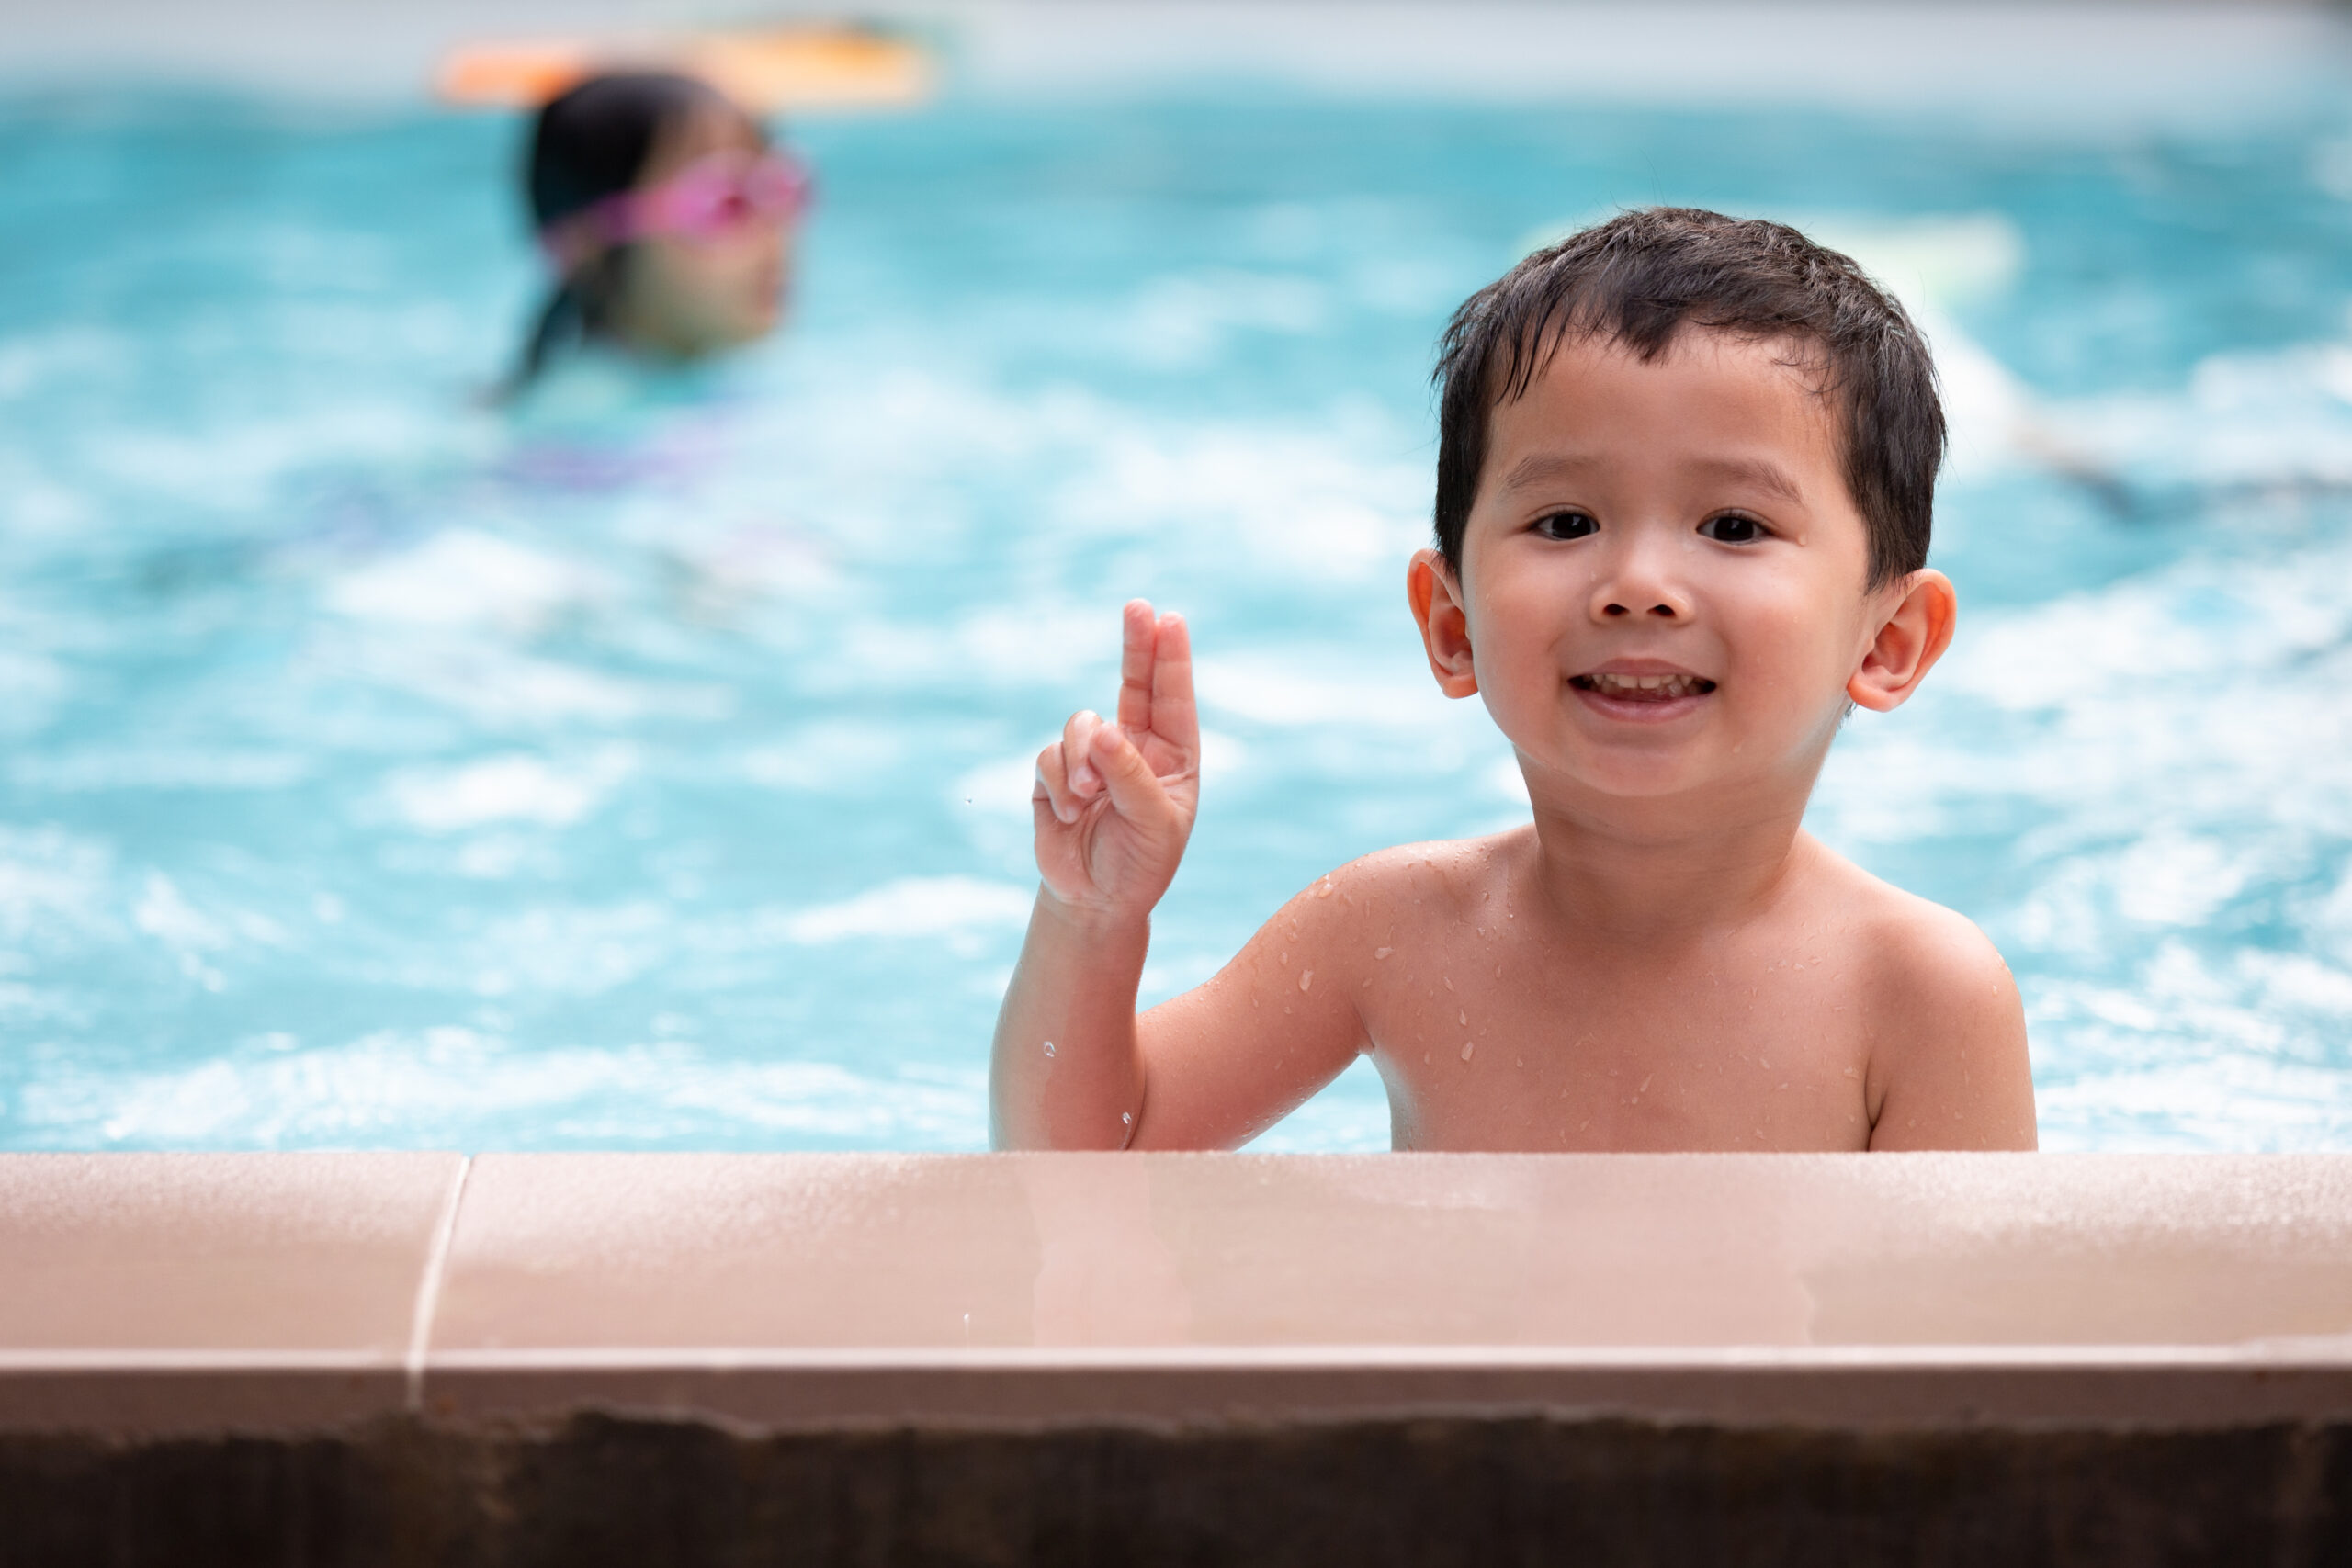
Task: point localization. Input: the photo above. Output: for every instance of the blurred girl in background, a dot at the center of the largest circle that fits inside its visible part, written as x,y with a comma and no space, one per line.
667,217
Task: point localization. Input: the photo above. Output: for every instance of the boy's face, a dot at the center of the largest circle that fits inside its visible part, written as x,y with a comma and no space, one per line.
1662,576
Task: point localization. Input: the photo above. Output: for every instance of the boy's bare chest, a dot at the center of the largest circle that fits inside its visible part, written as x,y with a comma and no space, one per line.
1497,1046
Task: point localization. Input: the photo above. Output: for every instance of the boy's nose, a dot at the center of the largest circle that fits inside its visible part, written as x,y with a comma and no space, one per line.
1634,592
1641,579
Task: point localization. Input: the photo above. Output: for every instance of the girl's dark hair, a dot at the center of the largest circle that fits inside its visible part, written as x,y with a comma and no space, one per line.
591,141
1638,280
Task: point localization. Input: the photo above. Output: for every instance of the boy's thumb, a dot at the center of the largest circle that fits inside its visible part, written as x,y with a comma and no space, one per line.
1125,774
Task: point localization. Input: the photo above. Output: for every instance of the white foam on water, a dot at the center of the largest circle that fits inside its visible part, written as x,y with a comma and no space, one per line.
1041,644
54,887
457,1086
463,577
1291,688
514,788
502,688
573,950
833,757
1329,503
163,912
1005,787
2275,419
159,767
916,907
32,689
1184,321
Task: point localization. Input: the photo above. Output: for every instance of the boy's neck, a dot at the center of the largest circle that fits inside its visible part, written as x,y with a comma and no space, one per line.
1645,872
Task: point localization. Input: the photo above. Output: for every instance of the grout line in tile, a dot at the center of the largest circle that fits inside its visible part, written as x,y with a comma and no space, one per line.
428,1289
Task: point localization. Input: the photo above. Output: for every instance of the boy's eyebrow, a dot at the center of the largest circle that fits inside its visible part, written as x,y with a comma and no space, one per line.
1757,472
1538,467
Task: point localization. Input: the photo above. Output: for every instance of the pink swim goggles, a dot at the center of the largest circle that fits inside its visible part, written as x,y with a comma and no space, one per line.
708,200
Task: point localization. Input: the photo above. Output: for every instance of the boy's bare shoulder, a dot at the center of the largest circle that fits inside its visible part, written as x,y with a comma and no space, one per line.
1398,897
1919,952
1928,972
1948,1065
1437,873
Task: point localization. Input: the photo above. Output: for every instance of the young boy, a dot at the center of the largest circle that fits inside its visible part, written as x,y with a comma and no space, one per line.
1685,476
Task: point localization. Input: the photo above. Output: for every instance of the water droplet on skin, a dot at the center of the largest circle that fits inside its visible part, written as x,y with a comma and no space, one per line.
1049,1047
1306,978
1128,1118
1285,958
1449,981
1646,1084
1462,1016
1466,1048
1519,1061
1381,952
1324,891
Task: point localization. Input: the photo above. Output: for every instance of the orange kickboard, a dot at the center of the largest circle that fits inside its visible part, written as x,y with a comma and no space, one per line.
795,68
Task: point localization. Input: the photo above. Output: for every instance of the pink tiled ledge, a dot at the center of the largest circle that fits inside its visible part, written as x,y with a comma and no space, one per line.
171,1293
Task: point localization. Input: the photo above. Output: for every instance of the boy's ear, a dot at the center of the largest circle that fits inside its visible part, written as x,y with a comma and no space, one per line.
1445,617
1908,643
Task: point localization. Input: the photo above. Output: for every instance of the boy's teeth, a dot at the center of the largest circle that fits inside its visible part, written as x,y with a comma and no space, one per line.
1649,686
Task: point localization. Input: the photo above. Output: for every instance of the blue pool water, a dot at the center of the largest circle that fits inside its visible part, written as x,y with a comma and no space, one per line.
650,769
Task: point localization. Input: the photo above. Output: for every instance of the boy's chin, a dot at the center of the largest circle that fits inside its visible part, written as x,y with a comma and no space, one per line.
1635,776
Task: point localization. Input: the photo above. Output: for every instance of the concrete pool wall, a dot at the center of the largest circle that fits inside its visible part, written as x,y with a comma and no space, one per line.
2018,1341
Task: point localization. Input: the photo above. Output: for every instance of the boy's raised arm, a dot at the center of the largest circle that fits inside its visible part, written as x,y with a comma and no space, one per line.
1113,806
1074,1067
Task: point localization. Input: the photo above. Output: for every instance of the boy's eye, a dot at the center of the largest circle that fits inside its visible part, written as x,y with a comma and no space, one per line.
1566,525
1731,528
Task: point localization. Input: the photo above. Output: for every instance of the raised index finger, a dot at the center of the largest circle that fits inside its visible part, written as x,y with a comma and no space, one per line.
1136,651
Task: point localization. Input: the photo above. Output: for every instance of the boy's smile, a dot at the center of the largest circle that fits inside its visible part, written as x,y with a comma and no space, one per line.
1640,690
1663,582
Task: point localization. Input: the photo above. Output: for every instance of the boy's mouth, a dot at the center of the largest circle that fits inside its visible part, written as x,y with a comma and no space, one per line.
1643,688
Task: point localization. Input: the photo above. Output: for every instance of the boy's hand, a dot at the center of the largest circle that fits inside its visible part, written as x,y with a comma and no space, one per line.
1115,802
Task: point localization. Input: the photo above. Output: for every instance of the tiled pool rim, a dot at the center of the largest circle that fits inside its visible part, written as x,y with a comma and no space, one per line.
158,1295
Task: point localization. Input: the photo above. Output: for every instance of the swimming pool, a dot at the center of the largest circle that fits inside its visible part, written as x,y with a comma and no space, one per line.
650,769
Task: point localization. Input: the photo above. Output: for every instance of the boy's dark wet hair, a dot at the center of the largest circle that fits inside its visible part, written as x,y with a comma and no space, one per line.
1642,278
591,141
